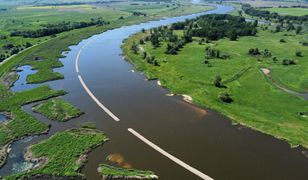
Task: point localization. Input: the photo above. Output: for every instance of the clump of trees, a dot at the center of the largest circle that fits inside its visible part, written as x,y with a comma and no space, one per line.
152,60
217,26
51,29
11,49
254,51
215,53
135,13
257,52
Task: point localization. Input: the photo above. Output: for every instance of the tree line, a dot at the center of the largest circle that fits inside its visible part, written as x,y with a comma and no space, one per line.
51,29
248,9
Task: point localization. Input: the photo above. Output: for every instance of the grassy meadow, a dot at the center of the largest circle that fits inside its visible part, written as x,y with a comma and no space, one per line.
257,102
289,11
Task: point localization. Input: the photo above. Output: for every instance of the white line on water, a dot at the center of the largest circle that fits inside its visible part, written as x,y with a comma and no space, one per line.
171,157
140,137
114,117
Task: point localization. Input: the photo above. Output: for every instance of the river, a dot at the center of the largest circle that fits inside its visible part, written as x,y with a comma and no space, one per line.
202,138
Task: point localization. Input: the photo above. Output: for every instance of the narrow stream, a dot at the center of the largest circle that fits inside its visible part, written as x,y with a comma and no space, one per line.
202,138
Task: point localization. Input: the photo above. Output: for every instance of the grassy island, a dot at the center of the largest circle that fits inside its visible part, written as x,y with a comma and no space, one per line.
224,71
63,154
57,109
110,172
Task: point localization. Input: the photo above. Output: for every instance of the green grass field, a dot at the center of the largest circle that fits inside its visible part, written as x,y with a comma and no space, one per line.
62,153
289,11
57,109
257,103
107,171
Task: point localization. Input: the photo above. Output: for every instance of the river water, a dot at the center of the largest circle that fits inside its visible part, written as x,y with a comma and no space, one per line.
202,138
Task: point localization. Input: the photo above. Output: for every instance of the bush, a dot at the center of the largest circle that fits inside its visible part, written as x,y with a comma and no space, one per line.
298,53
225,97
217,81
288,62
254,52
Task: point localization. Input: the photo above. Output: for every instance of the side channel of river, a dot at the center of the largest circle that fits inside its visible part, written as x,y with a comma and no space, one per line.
202,138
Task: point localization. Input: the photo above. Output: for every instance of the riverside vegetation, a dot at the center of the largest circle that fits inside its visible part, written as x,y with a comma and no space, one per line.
220,68
42,54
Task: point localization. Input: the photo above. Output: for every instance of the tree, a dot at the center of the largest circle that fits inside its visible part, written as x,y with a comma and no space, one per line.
288,62
144,55
267,53
255,23
134,48
298,53
2,57
298,29
154,40
240,12
28,45
225,97
278,28
233,36
217,81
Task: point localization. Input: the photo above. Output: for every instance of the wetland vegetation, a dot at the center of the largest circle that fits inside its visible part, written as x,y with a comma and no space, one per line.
57,109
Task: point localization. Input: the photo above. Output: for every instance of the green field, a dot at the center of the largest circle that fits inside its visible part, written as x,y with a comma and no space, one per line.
62,154
256,102
57,109
289,11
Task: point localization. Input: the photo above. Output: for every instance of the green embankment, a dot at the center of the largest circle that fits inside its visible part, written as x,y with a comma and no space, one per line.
257,103
110,172
63,154
57,109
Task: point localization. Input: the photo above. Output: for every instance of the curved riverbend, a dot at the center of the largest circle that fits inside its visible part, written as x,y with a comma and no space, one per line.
202,138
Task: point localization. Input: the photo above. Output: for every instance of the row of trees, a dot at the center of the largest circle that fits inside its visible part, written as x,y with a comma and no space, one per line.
51,29
248,9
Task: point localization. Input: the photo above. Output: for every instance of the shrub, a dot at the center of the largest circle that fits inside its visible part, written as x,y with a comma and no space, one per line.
298,53
225,97
288,62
